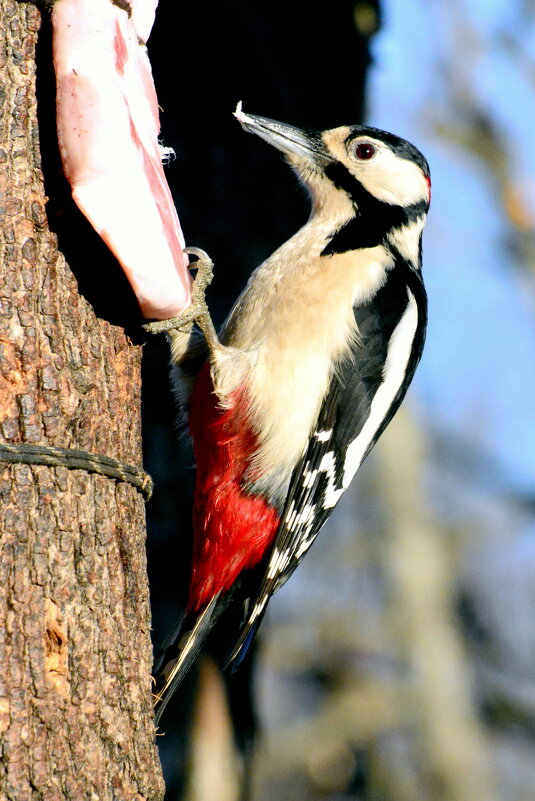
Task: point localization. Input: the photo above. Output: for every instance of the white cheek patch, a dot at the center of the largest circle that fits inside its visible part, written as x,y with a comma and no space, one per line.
388,177
392,179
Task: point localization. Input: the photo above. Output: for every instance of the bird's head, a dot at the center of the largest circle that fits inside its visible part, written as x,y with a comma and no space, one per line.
370,165
374,186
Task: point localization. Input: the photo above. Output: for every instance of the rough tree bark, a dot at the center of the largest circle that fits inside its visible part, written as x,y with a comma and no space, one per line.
75,655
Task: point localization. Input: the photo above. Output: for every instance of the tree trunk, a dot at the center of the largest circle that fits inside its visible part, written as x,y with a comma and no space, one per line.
75,655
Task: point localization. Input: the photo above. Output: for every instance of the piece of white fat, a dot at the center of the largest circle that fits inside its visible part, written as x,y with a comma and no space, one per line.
108,125
143,13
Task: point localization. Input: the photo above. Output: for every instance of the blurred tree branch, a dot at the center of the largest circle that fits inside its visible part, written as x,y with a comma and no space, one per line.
436,693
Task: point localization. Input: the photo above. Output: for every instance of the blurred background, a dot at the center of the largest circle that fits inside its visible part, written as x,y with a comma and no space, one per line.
398,664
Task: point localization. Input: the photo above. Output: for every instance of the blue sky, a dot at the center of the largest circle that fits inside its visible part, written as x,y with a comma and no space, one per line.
477,378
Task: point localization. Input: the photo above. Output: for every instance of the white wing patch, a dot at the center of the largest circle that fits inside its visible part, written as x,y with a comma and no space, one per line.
304,545
399,351
305,517
332,495
309,477
258,608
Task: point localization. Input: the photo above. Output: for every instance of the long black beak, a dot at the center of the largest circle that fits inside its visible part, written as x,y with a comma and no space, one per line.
292,141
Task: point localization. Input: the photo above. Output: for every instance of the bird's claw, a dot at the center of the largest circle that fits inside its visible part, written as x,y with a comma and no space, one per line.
197,311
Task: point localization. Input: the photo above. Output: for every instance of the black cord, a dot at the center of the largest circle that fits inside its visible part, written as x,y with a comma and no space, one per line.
77,460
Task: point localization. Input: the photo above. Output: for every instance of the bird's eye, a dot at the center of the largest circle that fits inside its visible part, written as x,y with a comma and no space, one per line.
364,151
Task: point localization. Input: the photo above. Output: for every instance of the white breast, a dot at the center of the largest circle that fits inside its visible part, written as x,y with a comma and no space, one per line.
300,334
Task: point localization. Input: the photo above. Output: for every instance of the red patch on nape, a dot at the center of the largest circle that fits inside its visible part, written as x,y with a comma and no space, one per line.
232,530
428,182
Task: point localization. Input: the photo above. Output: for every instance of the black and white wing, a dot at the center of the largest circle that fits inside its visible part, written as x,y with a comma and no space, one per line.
363,396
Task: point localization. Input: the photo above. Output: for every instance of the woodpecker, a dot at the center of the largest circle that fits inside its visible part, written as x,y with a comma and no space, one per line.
308,370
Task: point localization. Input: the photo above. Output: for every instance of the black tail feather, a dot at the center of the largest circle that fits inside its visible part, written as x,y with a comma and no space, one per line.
169,644
239,651
179,652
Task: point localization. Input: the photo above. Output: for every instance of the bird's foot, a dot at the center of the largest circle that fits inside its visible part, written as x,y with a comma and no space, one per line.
197,311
